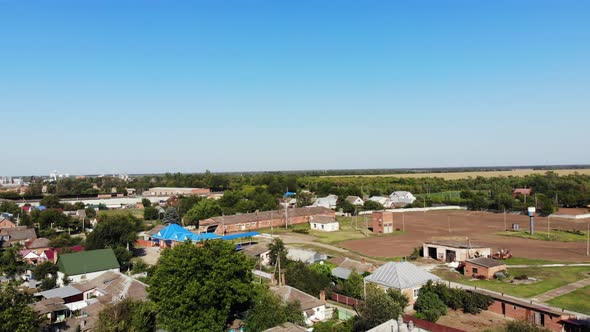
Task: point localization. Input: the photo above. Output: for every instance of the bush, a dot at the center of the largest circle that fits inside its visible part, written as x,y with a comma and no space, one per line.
474,303
521,277
430,306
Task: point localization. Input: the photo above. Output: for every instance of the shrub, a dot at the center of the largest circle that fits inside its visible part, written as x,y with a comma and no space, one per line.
430,306
521,277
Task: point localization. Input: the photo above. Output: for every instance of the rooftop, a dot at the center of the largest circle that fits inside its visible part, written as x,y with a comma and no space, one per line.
46,306
485,262
286,327
267,215
455,244
323,219
87,262
289,294
61,292
400,275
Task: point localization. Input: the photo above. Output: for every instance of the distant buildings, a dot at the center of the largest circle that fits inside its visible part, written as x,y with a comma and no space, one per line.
384,201
324,223
171,191
328,202
402,198
521,191
355,200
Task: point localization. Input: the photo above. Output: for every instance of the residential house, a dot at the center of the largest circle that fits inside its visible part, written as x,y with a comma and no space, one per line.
402,198
305,256
52,309
454,251
405,277
85,265
329,201
324,223
399,325
522,191
6,223
258,251
314,309
68,294
19,234
38,245
286,327
355,200
266,219
385,201
346,266
483,267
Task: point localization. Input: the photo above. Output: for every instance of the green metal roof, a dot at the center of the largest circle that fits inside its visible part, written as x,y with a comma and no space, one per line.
87,262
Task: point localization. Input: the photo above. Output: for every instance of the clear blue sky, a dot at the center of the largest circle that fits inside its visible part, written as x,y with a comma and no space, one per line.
155,86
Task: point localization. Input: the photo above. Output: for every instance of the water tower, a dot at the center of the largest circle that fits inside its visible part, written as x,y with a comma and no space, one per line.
531,213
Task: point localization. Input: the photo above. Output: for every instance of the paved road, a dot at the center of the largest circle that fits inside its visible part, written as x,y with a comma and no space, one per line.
562,290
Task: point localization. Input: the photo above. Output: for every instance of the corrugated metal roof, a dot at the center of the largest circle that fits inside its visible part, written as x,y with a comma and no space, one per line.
61,292
238,236
400,275
341,273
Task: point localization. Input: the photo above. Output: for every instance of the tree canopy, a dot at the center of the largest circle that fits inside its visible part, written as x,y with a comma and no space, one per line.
201,288
127,315
15,314
205,208
115,231
268,311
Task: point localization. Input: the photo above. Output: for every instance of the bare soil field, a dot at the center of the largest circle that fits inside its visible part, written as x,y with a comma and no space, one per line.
479,227
486,174
572,211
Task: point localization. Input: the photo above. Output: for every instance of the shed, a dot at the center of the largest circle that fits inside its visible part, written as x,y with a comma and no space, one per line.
483,267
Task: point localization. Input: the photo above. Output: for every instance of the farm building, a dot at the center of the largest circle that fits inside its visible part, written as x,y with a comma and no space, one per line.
404,276
483,267
170,191
266,219
324,223
382,222
454,251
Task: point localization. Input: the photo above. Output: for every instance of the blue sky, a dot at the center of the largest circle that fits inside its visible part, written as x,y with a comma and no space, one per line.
156,86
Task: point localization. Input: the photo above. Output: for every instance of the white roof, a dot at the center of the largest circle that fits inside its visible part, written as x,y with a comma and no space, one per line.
61,292
400,276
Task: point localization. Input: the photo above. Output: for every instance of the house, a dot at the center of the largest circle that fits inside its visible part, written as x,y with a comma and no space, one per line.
305,256
521,191
86,265
19,234
68,294
324,223
402,198
266,219
385,201
6,223
355,200
405,277
113,284
314,309
454,251
346,266
483,267
38,245
399,325
329,201
382,222
258,251
174,234
52,309
171,191
286,327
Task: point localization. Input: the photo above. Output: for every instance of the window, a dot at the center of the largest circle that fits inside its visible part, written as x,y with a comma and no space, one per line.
416,292
474,270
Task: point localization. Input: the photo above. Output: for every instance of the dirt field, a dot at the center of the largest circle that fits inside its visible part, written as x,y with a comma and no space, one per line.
463,175
480,228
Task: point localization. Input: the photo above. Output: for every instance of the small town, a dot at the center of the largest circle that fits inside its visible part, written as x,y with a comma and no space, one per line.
294,166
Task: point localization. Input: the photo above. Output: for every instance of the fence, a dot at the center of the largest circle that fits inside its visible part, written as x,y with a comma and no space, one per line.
424,324
144,243
344,299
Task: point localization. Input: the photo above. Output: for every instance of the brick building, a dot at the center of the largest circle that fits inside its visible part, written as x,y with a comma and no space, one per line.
483,267
252,221
382,222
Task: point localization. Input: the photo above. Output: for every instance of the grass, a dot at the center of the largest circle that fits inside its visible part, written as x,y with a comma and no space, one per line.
442,195
578,300
554,235
138,213
549,278
528,261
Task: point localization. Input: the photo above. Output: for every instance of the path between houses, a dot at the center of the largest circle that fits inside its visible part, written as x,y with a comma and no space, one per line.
562,290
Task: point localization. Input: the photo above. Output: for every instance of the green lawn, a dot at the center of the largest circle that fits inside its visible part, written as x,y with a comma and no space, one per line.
138,213
549,278
528,261
555,235
578,301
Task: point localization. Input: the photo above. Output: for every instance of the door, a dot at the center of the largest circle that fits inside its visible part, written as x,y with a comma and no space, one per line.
450,256
432,252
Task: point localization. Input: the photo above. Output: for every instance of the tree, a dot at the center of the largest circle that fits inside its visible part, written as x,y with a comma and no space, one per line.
46,272
523,326
171,216
150,213
55,218
429,306
11,263
310,281
15,313
10,207
51,202
185,203
204,209
503,201
372,205
146,202
267,311
478,202
353,286
378,307
345,206
128,315
115,231
201,288
90,213
277,249
398,297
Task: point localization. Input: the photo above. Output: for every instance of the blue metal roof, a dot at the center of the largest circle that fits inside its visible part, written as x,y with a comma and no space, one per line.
175,232
239,235
289,194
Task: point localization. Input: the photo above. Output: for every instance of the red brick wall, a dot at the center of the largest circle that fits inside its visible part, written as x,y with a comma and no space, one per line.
276,222
551,322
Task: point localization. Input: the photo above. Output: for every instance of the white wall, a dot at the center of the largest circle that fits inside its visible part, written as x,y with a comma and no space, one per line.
319,315
331,227
81,277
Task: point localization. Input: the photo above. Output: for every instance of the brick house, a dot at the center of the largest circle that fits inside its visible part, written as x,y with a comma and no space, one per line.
252,221
382,222
483,267
6,223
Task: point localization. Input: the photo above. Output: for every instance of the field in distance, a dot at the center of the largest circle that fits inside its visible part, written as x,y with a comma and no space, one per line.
464,175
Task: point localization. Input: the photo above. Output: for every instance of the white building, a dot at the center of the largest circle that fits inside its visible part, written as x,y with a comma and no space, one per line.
86,265
324,223
386,202
329,201
314,309
355,200
401,198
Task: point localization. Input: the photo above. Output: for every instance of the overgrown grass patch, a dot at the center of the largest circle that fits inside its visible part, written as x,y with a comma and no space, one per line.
554,235
578,300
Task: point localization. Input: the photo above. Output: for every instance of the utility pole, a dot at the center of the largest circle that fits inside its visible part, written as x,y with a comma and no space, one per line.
286,218
449,221
504,219
403,222
588,241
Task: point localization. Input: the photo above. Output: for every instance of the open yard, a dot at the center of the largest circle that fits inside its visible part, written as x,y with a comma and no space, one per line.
578,301
480,228
464,175
548,278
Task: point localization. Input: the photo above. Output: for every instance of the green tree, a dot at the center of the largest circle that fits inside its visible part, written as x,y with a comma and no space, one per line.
171,216
90,213
300,276
398,297
345,205
115,231
185,203
268,311
353,286
201,288
277,249
128,315
51,202
204,209
150,213
146,202
378,307
429,306
55,218
10,207
503,201
15,313
372,206
46,272
11,263
478,202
